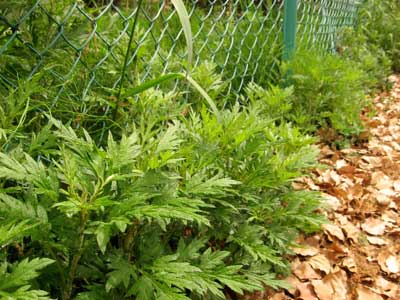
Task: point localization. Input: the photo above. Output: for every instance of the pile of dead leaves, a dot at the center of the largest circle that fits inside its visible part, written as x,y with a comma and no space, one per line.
357,256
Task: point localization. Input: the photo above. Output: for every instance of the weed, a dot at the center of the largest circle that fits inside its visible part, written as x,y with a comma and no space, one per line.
379,23
373,60
176,207
328,92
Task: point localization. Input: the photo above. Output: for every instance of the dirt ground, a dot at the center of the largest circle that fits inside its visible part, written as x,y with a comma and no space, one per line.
357,256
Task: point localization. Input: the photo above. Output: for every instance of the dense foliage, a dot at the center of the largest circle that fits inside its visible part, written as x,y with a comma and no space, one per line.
330,88
177,207
328,92
162,195
379,24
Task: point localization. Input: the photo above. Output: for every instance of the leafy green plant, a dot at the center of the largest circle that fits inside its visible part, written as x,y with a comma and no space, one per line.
177,195
373,60
379,23
328,92
15,280
177,207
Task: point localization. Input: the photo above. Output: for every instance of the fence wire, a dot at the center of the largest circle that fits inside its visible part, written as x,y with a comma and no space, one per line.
79,46
320,21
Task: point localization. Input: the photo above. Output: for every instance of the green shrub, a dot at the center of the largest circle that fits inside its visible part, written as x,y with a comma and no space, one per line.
379,22
177,202
176,208
328,92
373,60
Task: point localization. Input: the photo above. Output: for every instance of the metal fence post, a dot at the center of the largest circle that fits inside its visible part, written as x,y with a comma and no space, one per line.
289,29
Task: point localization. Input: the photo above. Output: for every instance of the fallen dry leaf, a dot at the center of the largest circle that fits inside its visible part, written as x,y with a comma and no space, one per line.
392,263
374,240
334,231
381,181
294,282
387,288
346,170
364,293
338,280
349,264
330,176
389,192
384,285
388,262
331,201
320,262
374,226
306,251
351,231
391,217
304,271
356,191
323,290
340,163
372,162
382,198
306,292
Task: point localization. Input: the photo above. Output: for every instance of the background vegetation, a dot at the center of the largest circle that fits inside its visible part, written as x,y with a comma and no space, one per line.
161,194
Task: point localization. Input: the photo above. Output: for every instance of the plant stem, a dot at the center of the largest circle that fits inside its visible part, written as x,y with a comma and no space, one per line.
77,256
128,50
59,267
130,237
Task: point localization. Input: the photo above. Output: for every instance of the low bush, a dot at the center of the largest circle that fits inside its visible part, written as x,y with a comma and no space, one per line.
178,207
329,92
164,199
353,45
379,22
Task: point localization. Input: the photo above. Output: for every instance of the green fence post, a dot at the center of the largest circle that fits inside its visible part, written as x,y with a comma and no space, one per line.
289,29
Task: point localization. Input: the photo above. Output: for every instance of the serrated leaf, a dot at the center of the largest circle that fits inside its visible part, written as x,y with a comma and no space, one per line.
169,140
23,272
12,231
122,273
200,184
143,289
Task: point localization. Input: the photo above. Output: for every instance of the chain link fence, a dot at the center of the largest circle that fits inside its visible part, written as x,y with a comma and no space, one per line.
320,21
79,46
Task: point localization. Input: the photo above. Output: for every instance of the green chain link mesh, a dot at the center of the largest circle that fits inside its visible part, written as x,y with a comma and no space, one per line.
320,21
80,45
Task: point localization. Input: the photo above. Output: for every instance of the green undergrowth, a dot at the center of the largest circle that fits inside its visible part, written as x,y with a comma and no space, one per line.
371,59
172,191
379,24
329,92
172,206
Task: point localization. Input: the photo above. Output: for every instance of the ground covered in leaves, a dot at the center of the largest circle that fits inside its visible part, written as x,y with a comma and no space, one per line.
357,256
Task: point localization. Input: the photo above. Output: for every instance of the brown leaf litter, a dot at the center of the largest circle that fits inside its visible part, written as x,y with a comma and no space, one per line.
357,255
